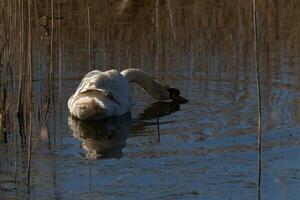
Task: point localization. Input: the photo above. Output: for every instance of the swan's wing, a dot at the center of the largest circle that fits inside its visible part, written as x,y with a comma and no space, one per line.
85,85
110,83
87,81
115,85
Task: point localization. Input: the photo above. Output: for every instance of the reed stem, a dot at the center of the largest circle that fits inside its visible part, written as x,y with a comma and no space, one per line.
21,72
89,31
171,20
157,33
259,142
30,93
157,121
59,50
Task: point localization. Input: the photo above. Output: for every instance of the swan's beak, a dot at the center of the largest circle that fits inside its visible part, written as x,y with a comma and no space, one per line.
180,99
175,96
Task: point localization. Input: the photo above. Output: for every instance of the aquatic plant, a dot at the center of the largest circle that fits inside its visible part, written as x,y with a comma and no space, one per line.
259,109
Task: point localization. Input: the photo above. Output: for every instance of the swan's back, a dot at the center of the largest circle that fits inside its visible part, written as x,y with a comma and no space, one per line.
104,94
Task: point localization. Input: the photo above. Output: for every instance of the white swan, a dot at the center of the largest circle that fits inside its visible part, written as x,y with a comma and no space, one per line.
106,94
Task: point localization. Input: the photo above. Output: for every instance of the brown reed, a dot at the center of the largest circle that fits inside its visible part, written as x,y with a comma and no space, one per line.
59,50
89,32
259,109
30,73
21,94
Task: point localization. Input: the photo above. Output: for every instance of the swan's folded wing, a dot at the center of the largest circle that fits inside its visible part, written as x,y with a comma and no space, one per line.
88,80
115,84
110,83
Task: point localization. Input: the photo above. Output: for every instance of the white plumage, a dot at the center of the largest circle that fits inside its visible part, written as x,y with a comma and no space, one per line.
106,94
100,95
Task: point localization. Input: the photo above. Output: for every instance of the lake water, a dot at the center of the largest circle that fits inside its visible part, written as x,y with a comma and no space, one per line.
204,149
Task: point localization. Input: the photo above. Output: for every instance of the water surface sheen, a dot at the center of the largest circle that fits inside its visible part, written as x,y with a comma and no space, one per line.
204,149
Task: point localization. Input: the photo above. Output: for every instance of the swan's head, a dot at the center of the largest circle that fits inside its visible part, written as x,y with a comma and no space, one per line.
174,94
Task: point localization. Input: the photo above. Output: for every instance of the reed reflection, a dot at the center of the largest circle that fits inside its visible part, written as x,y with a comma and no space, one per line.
104,139
159,109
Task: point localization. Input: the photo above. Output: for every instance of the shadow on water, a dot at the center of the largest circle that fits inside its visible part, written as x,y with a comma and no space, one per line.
159,109
105,139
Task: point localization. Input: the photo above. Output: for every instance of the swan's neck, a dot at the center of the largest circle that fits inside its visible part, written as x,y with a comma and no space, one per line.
155,89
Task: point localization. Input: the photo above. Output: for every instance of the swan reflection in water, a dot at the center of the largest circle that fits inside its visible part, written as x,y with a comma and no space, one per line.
107,137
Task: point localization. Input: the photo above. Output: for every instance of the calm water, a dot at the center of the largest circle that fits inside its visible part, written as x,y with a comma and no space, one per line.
205,149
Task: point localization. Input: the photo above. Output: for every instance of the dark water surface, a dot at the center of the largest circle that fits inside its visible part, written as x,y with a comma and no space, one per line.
205,149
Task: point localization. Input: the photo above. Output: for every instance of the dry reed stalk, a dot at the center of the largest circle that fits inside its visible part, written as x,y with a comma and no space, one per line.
171,20
9,66
4,70
157,33
3,109
21,71
51,44
3,85
157,121
59,50
7,69
5,38
89,31
50,93
51,72
37,24
13,42
29,93
59,63
259,142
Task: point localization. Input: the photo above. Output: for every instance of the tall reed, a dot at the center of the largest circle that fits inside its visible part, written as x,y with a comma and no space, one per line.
49,100
29,92
21,71
89,31
157,33
259,109
171,20
59,50
157,121
3,44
